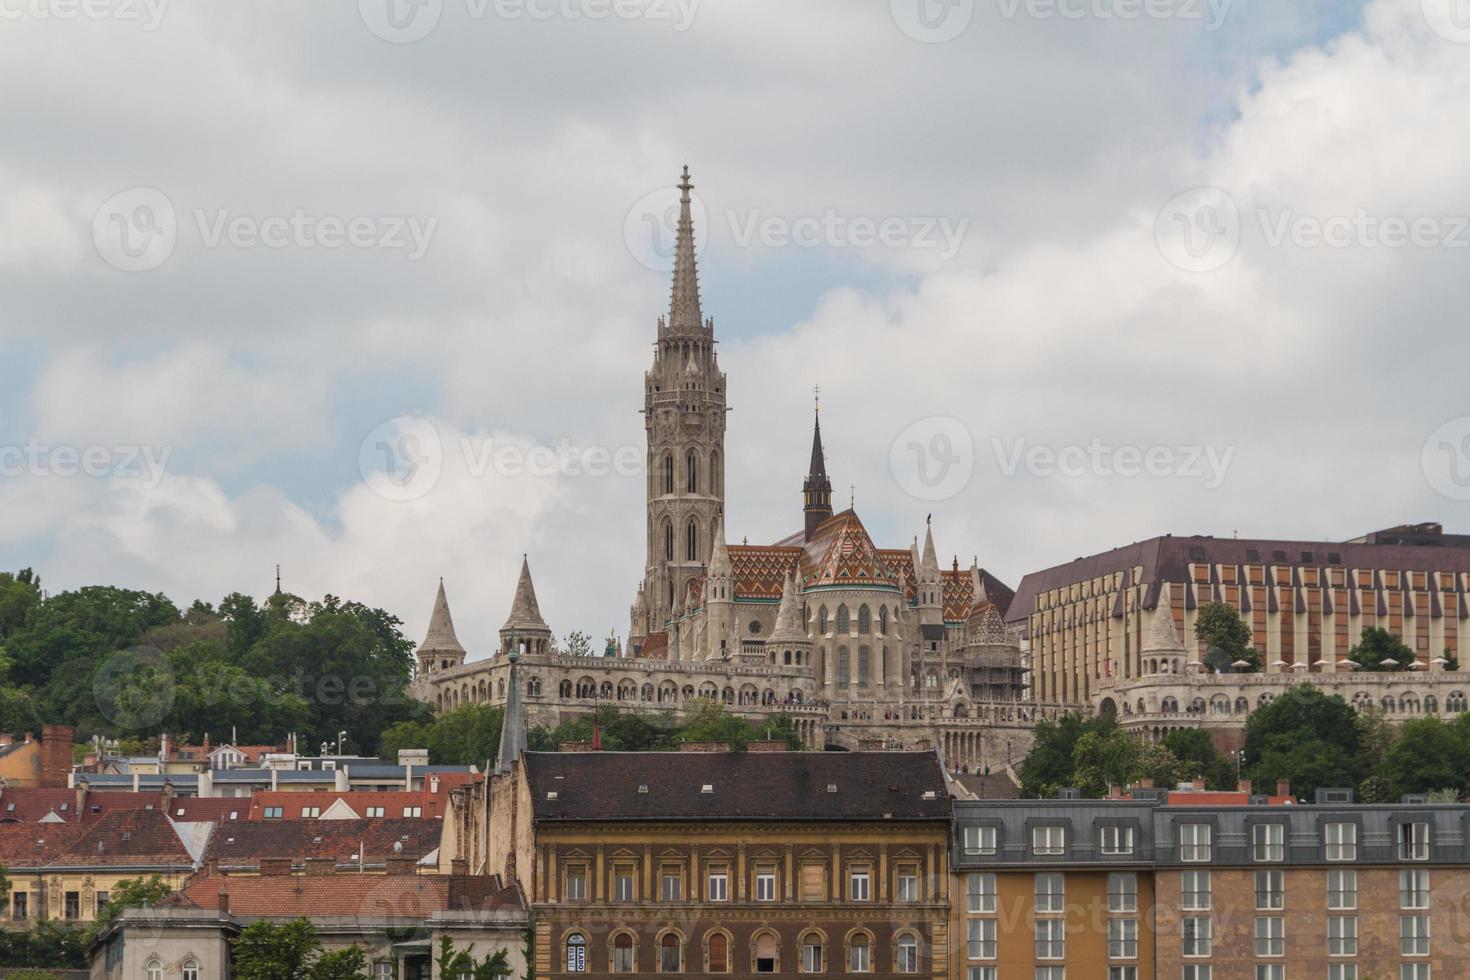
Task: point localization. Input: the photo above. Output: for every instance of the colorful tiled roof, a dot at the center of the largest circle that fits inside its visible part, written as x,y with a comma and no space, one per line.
959,595
655,647
840,552
760,570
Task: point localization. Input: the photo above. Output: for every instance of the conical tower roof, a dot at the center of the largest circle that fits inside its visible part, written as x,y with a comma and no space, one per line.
788,627
513,727
719,559
930,561
684,312
525,614
441,637
1162,634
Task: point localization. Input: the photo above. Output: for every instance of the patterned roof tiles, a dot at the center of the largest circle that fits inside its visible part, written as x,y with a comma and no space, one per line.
760,570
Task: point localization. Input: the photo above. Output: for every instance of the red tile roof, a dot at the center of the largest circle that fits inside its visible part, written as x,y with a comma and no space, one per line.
760,571
432,805
31,846
31,805
246,842
128,837
655,647
370,896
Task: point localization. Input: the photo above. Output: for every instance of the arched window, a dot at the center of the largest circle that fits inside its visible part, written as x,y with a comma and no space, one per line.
668,541
668,472
564,689
908,954
719,953
844,667
865,619
622,958
883,619
191,969
811,953
822,620
533,687
766,953
714,474
154,970
844,622
865,666
576,953
668,953
691,472
693,535
859,954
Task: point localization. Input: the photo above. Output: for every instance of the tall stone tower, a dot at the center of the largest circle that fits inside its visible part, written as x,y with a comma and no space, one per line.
684,416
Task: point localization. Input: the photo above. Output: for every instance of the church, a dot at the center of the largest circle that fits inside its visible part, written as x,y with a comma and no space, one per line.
863,647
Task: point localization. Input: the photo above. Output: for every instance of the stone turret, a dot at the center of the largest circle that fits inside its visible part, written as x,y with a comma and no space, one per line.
789,642
1162,650
930,583
524,628
719,593
513,727
816,492
441,649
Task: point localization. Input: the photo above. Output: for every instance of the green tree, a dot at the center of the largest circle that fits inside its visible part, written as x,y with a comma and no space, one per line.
1225,638
579,645
342,964
1380,651
1051,763
1428,756
1307,737
1451,661
1115,758
131,893
1200,759
20,595
1375,736
266,951
468,735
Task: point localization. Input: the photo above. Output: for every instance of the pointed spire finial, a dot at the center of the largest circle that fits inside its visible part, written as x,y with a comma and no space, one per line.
684,311
278,578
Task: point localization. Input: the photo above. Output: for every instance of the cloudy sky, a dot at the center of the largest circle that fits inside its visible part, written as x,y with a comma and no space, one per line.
367,288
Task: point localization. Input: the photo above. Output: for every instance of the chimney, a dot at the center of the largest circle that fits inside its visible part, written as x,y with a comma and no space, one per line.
459,866
6,740
81,798
166,798
1145,784
597,736
1244,786
275,867
163,747
224,902
1199,785
400,865
320,867
1283,787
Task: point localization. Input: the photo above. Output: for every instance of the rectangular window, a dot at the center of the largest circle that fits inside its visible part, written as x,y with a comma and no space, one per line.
858,960
376,811
1413,842
1194,891
980,939
73,905
576,883
908,885
19,905
1117,840
719,886
1271,971
1414,971
980,973
813,883
382,970
1194,842
101,902
765,883
1197,971
1122,973
1122,939
1342,971
1268,842
1270,935
1051,973
857,890
413,811
1123,892
1342,935
1197,934
310,812
273,812
1051,939
1414,935
1051,893
1414,888
811,956
1048,841
1341,840
1270,890
623,884
1342,889
979,840
980,892
671,885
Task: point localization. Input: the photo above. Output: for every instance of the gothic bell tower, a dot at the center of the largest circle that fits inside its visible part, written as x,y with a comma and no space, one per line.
684,417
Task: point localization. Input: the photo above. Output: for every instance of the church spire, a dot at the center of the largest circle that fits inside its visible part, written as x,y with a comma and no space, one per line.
684,312
817,490
513,726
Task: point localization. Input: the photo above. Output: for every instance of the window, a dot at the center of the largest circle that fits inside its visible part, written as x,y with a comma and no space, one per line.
1194,891
765,884
1117,840
1414,971
1342,935
765,953
1122,892
1270,971
979,840
1122,939
668,953
691,475
1048,840
576,953
908,884
1194,842
1270,935
1270,890
73,905
980,973
1268,842
375,811
908,946
576,883
1342,971
1413,842
980,892
154,970
980,939
1342,841
622,953
1122,973
382,970
273,812
1414,935
101,902
1342,889
1196,933
1051,973
811,954
191,969
858,959
719,886
858,886
310,812
1197,971
719,953
865,619
691,552
18,902
623,884
1051,939
671,886
1414,889
1051,893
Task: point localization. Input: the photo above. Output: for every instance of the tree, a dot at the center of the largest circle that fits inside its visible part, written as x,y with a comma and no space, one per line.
468,735
4,888
1225,637
1451,661
1375,736
266,951
1380,651
341,964
1051,763
1116,758
1427,756
131,893
579,645
454,963
20,594
1307,737
1200,759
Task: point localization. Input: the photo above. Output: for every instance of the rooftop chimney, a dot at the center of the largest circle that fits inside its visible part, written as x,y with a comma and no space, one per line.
275,867
1283,787
400,865
318,867
224,902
